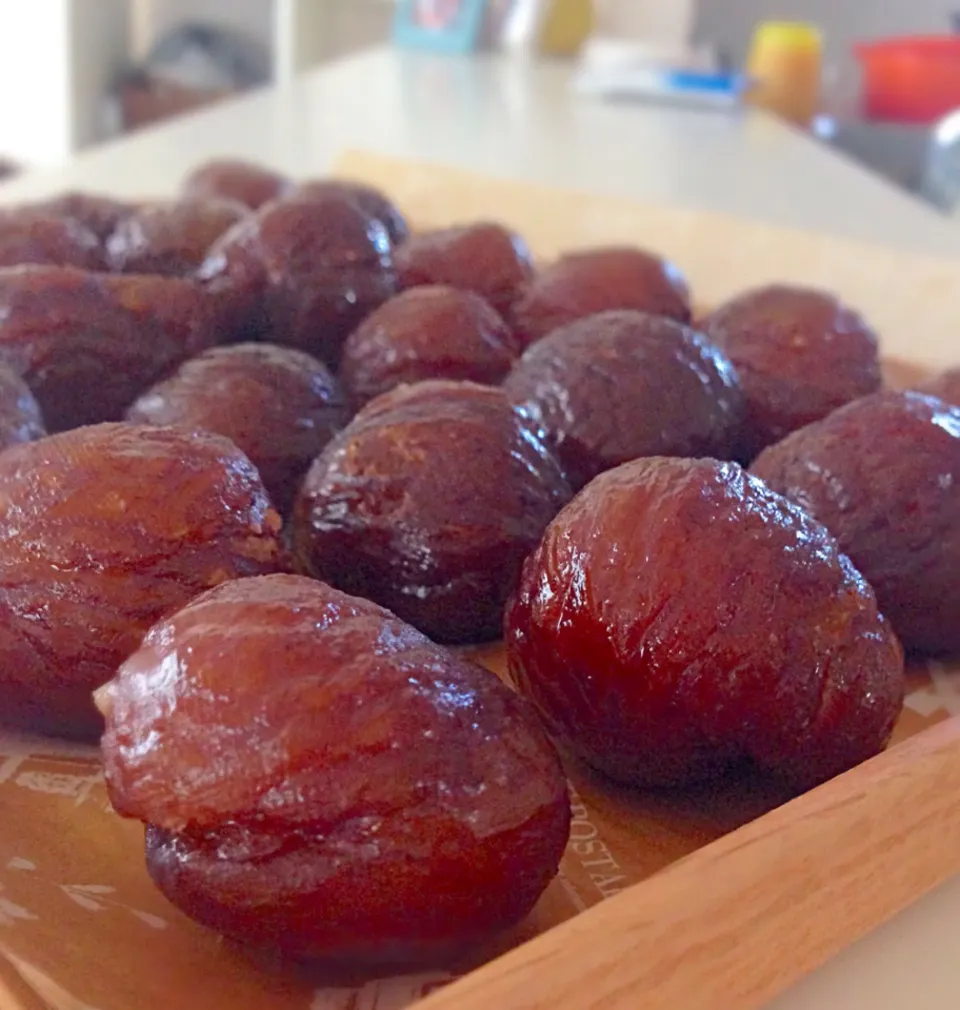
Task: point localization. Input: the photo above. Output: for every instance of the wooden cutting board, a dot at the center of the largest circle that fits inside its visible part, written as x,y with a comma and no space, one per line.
714,898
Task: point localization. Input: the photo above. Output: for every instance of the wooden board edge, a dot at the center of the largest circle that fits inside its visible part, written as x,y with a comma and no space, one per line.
739,921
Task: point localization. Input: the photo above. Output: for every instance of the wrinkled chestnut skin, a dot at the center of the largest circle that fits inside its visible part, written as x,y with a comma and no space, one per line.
100,214
329,783
170,238
431,332
800,354
883,475
620,385
20,416
485,258
599,280
303,273
945,386
235,179
427,503
28,236
88,344
680,617
278,405
371,201
103,531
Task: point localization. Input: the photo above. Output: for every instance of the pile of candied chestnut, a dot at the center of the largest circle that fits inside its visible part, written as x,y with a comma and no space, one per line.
267,456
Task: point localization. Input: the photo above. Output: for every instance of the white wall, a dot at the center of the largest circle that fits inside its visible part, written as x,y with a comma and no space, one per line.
34,112
56,57
309,32
667,21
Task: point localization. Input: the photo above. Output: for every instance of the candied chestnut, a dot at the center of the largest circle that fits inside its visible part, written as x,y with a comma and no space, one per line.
170,238
485,258
280,406
432,332
679,617
599,280
945,386
371,201
330,783
619,385
103,531
88,344
20,416
29,236
799,353
302,273
427,503
235,179
100,214
883,475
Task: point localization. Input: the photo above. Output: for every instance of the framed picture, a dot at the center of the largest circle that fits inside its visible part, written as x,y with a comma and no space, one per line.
450,26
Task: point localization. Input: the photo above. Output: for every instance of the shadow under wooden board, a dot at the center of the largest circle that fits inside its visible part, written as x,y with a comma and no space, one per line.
719,897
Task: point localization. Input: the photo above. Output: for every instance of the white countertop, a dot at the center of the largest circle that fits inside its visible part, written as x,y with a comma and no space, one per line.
510,118
519,121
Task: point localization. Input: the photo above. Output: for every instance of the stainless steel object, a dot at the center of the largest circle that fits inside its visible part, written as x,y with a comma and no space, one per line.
941,178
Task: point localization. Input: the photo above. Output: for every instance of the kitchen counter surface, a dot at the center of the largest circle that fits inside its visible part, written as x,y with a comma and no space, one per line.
517,119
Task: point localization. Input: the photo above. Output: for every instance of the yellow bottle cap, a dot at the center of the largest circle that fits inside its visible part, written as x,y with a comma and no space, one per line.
787,34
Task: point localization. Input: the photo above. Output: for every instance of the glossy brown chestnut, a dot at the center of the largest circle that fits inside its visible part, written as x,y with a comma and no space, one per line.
800,354
430,332
20,416
278,405
598,280
330,784
235,179
945,386
883,475
170,238
620,385
680,617
103,531
100,214
427,503
31,236
370,200
303,273
88,344
485,258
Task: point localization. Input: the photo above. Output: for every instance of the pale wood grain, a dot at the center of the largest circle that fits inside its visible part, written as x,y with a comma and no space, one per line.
15,993
742,919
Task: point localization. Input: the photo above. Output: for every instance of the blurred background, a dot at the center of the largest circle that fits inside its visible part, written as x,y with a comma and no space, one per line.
879,81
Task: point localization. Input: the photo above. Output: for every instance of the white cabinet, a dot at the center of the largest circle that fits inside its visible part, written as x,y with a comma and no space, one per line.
59,57
151,18
299,33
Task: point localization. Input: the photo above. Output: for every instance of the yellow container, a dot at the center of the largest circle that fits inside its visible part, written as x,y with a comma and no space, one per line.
566,25
786,61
